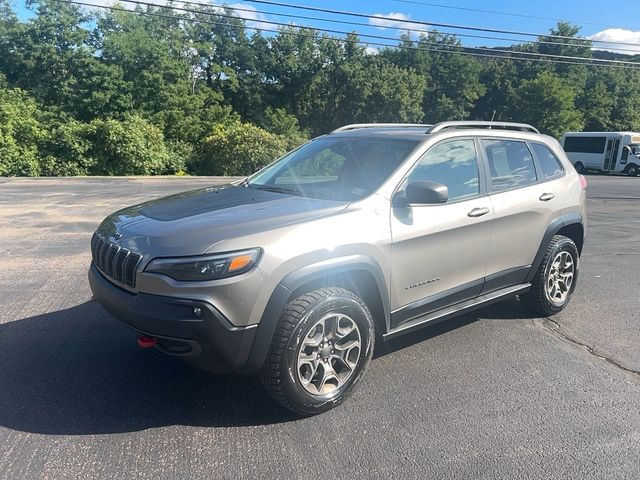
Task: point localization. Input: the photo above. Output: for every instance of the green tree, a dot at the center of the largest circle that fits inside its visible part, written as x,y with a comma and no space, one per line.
626,109
42,55
20,133
278,121
597,103
455,85
548,103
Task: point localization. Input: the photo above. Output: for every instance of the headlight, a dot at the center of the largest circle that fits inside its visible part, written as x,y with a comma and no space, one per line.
206,267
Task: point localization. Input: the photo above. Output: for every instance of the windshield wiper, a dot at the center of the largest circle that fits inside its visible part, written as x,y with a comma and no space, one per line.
274,188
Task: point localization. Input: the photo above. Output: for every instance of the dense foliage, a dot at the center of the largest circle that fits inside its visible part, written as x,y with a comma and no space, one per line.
125,92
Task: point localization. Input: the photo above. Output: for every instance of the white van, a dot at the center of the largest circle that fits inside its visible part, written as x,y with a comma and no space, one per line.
609,152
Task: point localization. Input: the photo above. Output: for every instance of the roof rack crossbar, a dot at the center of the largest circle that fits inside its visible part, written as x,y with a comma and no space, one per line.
523,127
355,126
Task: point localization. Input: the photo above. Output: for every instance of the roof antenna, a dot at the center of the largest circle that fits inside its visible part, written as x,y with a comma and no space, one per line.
492,117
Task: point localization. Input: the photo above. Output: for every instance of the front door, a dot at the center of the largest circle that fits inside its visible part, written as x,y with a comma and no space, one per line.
439,252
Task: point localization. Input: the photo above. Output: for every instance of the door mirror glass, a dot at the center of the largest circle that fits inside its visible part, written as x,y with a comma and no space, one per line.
426,192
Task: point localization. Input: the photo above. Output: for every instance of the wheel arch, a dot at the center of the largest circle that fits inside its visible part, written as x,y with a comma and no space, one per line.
570,225
357,273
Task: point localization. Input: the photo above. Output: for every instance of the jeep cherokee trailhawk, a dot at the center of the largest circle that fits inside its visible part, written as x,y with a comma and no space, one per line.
364,234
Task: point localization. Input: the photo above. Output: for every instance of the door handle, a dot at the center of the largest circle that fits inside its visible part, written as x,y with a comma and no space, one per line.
478,212
545,197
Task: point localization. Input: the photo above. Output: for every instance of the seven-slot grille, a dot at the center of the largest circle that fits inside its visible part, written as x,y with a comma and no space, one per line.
115,262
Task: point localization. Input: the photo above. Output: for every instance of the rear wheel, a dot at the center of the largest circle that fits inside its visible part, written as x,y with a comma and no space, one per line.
632,170
555,280
580,168
320,351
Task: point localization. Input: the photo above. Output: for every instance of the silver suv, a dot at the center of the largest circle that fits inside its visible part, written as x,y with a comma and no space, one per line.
361,235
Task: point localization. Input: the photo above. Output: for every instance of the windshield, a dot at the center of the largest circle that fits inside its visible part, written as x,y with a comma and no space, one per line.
635,149
343,169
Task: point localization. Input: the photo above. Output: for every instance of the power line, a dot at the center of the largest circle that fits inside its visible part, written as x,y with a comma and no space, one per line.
433,24
342,40
506,14
404,29
382,37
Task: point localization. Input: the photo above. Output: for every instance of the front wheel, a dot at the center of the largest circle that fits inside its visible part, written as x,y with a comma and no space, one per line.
632,170
320,351
555,280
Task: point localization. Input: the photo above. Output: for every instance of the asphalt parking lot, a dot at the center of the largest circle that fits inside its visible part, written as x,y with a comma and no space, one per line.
497,394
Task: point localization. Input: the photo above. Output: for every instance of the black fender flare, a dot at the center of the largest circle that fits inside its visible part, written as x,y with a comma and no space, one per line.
297,279
554,227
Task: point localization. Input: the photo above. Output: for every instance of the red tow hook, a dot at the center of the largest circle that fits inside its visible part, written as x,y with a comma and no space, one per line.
147,342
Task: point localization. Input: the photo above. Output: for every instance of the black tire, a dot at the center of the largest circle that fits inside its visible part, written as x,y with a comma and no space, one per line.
580,168
538,298
281,373
632,170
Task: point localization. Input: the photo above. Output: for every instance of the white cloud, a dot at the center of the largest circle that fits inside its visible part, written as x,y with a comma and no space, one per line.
392,20
371,50
617,35
396,21
253,18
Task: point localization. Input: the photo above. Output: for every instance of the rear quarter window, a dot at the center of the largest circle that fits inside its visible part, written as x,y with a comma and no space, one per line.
549,163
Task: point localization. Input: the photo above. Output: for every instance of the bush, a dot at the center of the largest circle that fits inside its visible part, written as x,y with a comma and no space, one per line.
179,155
238,149
129,147
66,150
20,133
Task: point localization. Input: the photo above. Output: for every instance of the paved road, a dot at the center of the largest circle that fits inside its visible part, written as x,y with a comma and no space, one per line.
493,395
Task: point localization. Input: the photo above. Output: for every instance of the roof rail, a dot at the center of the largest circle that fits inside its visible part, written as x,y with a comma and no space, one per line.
355,126
523,127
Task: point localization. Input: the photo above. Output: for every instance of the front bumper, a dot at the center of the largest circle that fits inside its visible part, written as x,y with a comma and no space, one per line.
206,341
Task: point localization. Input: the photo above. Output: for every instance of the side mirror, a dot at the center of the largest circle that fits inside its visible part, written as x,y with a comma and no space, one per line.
423,192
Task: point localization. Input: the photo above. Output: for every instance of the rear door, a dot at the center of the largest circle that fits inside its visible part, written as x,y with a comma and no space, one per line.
523,208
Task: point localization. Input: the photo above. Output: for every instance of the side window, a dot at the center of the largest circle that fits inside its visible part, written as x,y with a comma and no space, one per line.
510,164
551,166
451,163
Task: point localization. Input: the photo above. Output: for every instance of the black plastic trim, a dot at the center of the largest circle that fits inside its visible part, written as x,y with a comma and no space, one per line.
297,279
553,228
505,278
337,266
456,310
435,302
207,341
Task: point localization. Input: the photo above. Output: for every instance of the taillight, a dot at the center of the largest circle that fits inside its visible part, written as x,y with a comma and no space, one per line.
583,182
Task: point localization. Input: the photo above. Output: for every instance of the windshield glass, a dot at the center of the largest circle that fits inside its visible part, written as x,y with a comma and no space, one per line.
343,169
635,149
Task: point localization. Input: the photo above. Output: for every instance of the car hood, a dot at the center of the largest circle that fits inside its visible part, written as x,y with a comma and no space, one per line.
191,223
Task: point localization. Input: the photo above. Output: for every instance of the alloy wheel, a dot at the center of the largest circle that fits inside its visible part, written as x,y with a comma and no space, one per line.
329,354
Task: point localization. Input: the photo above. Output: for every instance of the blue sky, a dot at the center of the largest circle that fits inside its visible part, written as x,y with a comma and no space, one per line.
615,20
